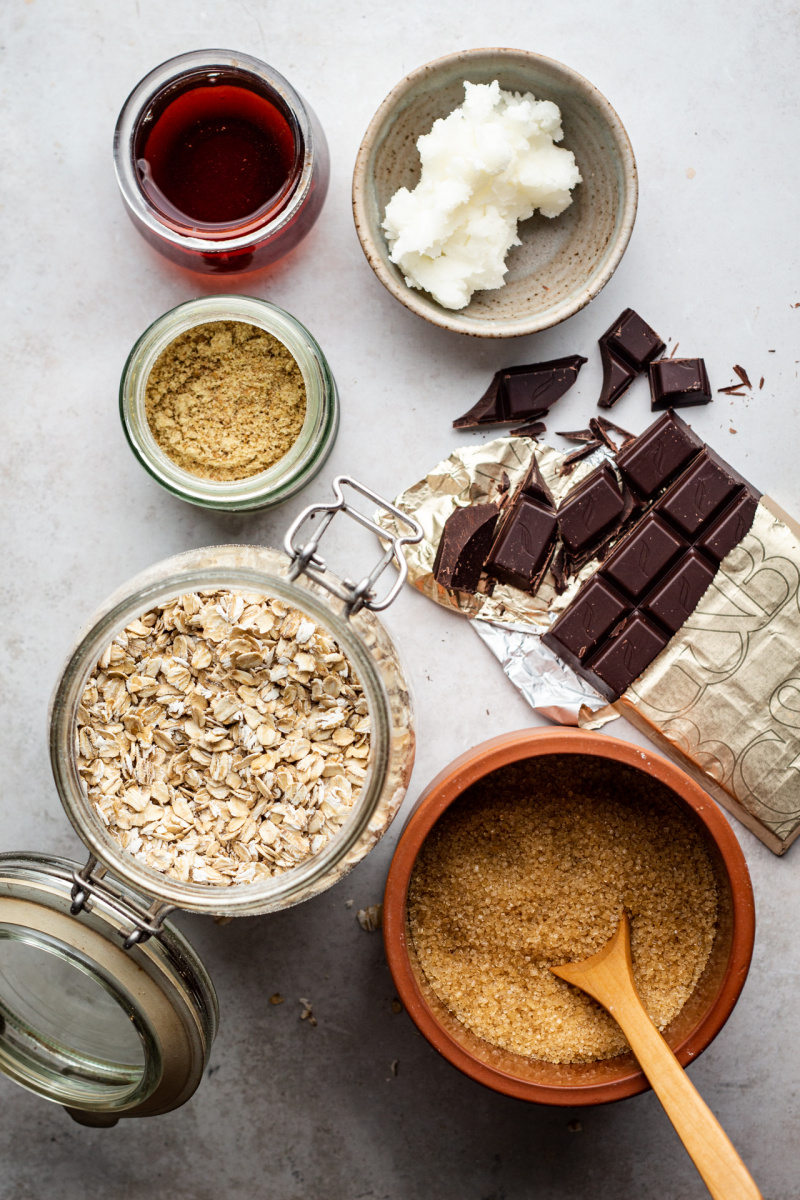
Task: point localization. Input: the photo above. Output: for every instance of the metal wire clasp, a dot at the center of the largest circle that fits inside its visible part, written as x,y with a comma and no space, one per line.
306,561
146,922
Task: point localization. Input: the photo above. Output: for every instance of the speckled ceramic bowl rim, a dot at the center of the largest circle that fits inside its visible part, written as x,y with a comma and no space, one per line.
446,788
443,317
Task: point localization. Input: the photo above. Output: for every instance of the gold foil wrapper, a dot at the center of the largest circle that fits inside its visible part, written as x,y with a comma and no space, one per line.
724,696
474,475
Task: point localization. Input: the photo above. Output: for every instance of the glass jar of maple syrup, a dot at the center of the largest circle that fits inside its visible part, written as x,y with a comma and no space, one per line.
221,164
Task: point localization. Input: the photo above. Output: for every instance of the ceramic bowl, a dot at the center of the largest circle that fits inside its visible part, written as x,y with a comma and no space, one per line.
562,263
704,1013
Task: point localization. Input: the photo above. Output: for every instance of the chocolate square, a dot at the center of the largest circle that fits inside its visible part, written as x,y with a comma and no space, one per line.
658,454
594,612
591,509
678,383
523,544
679,593
641,557
729,528
702,490
621,660
633,340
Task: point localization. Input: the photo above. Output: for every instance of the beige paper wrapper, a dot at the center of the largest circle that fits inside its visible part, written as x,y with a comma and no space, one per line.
724,696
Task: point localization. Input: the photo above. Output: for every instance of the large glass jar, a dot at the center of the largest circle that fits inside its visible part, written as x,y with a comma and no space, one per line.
104,1007
254,239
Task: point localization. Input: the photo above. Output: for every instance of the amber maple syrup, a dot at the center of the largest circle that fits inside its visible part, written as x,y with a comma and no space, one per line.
218,153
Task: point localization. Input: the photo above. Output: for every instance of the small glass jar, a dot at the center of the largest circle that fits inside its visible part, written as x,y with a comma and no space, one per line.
104,1006
257,238
284,478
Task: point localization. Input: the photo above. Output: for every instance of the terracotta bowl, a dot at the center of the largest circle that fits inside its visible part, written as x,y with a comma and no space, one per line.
703,1015
562,263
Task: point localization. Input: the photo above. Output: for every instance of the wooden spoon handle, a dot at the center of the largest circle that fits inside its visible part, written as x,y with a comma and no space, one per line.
608,976
712,1151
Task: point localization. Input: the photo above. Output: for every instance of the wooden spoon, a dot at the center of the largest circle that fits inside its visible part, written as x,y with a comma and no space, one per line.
608,977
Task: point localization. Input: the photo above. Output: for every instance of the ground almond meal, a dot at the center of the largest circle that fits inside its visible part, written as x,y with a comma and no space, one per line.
225,400
223,738
532,867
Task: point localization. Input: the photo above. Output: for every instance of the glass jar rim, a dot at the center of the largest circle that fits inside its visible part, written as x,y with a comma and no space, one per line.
304,458
273,219
237,899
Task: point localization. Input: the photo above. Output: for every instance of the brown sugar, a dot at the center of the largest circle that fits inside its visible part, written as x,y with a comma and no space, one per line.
533,867
225,400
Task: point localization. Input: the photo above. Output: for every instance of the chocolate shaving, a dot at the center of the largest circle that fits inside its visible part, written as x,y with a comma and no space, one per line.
610,427
761,383
576,435
531,430
571,461
740,371
601,434
732,390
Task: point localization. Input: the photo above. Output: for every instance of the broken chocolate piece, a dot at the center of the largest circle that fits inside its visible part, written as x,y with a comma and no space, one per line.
632,340
523,545
628,652
678,383
655,457
701,492
642,556
522,393
679,593
465,542
592,508
577,633
534,486
729,529
618,376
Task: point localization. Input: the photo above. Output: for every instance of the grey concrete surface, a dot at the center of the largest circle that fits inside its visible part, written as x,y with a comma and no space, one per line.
288,1111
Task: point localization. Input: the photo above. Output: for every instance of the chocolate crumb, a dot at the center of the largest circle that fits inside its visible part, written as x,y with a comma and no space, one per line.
732,430
576,435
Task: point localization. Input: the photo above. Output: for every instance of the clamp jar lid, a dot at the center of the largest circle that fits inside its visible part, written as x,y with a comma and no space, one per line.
104,1007
304,457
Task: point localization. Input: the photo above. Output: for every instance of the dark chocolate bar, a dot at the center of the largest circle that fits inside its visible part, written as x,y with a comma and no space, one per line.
678,383
653,459
660,570
595,506
523,544
522,393
465,542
